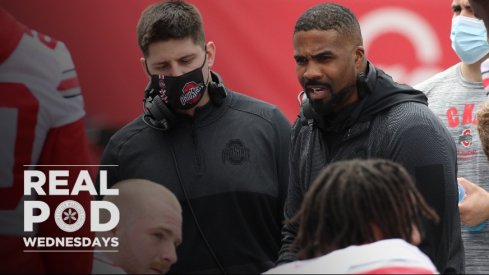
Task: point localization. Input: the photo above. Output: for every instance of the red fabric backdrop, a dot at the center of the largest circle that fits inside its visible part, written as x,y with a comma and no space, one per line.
409,39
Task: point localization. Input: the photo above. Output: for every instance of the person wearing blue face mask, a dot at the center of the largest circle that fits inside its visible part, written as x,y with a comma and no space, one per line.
469,39
454,95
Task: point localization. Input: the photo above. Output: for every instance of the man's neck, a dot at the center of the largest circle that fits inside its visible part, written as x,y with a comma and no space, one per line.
472,72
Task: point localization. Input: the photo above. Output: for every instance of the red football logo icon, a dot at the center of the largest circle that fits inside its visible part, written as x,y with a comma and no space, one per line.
190,93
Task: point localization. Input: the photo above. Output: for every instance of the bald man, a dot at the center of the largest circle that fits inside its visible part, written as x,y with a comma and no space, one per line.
149,230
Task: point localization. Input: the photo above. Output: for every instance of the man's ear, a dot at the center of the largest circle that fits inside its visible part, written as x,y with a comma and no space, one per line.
359,57
377,232
211,53
415,236
144,67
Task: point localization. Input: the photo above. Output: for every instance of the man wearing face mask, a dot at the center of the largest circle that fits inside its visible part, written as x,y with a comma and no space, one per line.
354,110
223,154
455,95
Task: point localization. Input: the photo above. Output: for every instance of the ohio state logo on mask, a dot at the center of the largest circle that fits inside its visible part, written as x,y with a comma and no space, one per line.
184,91
191,94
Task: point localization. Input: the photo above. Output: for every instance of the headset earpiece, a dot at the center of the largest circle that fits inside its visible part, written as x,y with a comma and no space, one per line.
309,113
156,114
164,112
217,92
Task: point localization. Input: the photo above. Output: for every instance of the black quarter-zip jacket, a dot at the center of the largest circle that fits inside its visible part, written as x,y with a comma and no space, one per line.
389,121
232,160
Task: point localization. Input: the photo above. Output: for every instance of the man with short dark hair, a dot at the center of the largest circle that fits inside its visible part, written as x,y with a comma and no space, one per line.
453,96
223,154
354,110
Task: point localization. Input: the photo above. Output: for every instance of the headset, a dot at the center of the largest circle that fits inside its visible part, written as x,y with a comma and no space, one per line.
159,116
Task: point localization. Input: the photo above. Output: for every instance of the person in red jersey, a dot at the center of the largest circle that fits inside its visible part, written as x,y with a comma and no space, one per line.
41,121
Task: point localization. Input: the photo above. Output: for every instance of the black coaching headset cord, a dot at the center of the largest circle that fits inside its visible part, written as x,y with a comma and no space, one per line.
185,194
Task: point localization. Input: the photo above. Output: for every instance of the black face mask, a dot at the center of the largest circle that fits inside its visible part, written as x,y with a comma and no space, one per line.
181,92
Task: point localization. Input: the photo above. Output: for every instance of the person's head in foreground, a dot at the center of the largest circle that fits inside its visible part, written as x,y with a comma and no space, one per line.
150,227
359,202
483,126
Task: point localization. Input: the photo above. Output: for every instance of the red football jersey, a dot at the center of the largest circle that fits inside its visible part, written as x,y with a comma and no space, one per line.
41,112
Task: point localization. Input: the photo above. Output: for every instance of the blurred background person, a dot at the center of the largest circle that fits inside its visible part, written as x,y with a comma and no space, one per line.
149,230
477,199
478,196
454,96
362,217
41,117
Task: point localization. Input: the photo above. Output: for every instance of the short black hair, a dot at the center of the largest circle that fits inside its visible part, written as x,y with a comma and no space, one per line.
330,16
167,20
348,197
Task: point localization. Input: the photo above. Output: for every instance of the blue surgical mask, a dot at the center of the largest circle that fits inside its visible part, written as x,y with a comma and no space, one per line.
469,39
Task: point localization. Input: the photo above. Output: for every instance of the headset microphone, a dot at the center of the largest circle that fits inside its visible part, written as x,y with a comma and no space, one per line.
157,114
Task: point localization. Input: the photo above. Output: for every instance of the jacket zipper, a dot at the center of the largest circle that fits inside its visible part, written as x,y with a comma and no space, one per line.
198,157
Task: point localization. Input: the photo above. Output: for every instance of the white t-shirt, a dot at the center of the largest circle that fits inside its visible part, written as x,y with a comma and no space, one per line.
455,101
394,256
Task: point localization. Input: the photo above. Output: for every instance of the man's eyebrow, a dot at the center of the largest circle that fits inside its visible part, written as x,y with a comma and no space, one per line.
168,232
298,56
323,53
180,58
187,56
159,63
162,228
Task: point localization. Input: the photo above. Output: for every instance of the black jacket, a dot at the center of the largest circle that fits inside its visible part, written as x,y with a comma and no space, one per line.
390,121
232,161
